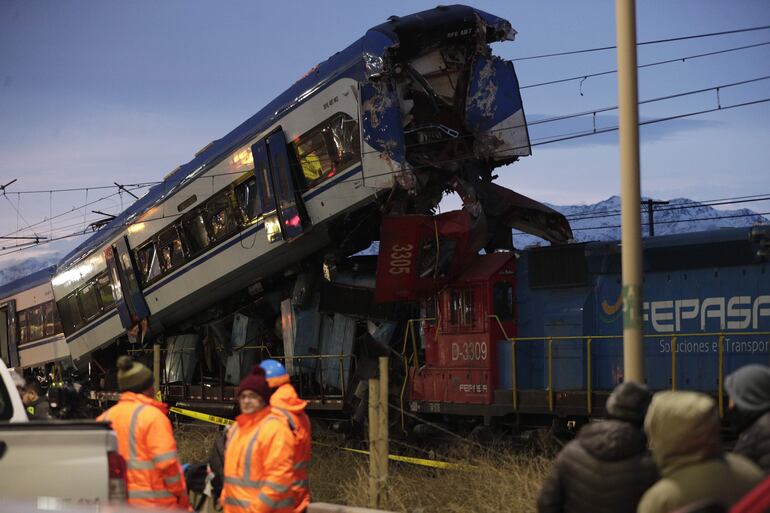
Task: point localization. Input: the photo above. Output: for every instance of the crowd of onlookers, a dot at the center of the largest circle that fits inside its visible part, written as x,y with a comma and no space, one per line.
663,452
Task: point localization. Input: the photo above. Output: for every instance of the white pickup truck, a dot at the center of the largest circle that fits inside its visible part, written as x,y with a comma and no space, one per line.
55,461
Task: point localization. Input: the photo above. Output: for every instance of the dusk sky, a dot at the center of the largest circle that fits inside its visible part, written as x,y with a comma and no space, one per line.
95,92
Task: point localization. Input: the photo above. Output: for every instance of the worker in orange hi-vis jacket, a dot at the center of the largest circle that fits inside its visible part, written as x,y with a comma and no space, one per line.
259,455
146,441
285,401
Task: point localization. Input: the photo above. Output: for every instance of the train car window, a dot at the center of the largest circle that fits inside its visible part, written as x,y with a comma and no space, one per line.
105,291
51,319
23,327
89,301
328,148
344,137
313,157
461,308
170,249
195,233
248,198
149,266
35,323
503,298
220,218
71,320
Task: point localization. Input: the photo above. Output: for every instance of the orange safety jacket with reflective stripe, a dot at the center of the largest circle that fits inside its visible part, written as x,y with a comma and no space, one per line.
286,402
259,461
146,441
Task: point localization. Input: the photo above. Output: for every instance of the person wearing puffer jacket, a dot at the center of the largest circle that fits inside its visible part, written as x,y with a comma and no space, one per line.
749,391
607,467
683,430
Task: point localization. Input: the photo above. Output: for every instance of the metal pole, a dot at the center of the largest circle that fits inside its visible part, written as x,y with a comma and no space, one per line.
631,237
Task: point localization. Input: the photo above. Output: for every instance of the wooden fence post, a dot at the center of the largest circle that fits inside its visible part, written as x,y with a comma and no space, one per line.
374,427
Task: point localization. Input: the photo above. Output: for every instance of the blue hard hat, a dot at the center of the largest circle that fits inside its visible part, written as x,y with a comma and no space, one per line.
273,369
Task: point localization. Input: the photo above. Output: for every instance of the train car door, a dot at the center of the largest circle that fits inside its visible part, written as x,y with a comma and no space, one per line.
277,189
8,334
128,295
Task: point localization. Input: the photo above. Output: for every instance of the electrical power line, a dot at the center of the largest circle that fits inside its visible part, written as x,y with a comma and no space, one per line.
653,42
545,140
642,66
674,221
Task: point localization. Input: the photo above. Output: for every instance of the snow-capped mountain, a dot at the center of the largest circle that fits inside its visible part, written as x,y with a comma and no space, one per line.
25,268
601,221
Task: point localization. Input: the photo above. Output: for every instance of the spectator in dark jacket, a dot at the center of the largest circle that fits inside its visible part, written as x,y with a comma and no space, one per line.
35,402
607,467
749,391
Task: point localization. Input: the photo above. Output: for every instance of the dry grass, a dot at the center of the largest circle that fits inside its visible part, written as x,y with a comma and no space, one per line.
501,481
504,479
194,441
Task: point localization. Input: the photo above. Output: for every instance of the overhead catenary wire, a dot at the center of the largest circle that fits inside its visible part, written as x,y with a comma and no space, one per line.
535,142
674,221
643,43
188,178
642,66
549,141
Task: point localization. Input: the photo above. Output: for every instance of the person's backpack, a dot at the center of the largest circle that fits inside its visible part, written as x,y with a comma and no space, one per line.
195,476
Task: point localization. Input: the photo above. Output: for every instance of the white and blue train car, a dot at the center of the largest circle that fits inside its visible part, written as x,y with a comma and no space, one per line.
30,332
385,125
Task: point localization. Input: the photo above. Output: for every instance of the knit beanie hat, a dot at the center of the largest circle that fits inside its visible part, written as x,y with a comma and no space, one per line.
133,376
749,387
629,401
256,382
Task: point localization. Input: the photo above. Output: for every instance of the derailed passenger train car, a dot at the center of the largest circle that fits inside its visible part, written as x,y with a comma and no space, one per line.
30,332
417,106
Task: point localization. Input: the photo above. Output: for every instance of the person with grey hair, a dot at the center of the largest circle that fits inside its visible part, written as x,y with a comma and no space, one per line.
607,467
749,412
683,430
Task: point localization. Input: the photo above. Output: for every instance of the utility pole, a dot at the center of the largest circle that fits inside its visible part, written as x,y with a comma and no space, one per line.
631,231
650,219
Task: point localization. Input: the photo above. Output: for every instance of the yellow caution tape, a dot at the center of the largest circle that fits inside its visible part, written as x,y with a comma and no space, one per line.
202,416
407,459
404,459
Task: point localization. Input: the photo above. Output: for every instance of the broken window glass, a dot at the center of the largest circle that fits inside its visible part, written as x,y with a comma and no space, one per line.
330,147
248,198
148,263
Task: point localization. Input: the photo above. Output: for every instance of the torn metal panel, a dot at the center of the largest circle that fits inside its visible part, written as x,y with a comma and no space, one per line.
181,358
243,352
523,213
375,46
307,323
337,337
494,111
